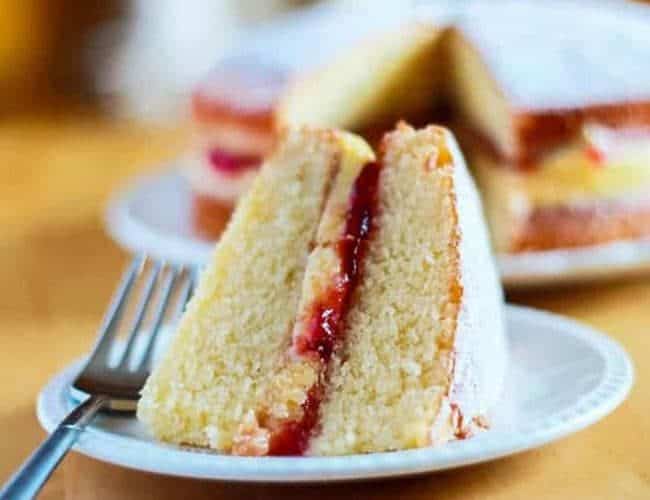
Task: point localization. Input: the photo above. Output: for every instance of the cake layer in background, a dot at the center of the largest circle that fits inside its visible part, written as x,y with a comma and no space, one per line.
232,111
574,199
351,306
494,70
371,85
557,135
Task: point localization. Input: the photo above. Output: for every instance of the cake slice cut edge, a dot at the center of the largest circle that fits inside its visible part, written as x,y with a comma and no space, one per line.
238,324
377,82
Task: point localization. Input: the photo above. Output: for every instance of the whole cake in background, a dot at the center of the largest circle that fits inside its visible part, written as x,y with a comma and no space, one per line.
553,114
232,112
351,306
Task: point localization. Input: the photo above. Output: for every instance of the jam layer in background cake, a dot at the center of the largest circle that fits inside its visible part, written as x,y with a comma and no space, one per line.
232,112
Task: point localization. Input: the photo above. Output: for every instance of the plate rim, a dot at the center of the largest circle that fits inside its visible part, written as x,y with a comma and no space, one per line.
131,233
518,271
611,391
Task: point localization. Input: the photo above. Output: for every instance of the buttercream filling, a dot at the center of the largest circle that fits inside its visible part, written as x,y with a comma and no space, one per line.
322,334
603,163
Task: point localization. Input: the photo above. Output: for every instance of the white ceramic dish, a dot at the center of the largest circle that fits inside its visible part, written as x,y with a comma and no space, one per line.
563,377
153,215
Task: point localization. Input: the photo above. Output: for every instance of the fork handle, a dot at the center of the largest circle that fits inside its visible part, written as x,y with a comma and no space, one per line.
33,474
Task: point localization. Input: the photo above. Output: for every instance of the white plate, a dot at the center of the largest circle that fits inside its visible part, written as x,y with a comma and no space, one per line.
153,215
564,377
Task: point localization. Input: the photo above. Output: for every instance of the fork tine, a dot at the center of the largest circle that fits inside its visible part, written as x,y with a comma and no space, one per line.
187,291
163,304
116,308
140,314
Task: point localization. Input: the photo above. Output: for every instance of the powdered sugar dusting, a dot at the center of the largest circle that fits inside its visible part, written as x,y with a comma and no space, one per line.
555,55
480,348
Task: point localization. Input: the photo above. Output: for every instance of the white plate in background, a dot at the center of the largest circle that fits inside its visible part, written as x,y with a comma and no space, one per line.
153,215
538,406
614,260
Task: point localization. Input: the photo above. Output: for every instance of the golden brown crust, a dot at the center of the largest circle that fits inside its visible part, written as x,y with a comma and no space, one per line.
209,216
565,227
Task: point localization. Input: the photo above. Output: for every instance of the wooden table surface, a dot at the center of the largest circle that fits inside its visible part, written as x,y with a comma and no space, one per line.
58,269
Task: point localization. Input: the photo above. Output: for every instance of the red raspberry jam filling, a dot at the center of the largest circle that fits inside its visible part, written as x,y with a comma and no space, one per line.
323,334
231,163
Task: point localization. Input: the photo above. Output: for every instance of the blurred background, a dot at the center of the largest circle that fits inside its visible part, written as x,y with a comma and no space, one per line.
134,57
116,53
92,93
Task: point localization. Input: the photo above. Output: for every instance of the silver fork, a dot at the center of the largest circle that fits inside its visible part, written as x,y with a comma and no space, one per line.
106,383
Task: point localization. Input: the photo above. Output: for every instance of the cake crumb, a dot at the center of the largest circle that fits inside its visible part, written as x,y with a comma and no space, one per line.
251,439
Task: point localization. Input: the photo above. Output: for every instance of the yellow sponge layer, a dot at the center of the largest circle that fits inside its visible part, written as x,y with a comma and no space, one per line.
383,80
386,389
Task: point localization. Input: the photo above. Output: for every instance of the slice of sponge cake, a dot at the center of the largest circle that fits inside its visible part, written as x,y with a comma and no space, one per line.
371,323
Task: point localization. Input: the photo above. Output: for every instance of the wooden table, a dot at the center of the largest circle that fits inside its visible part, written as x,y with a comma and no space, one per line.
58,271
